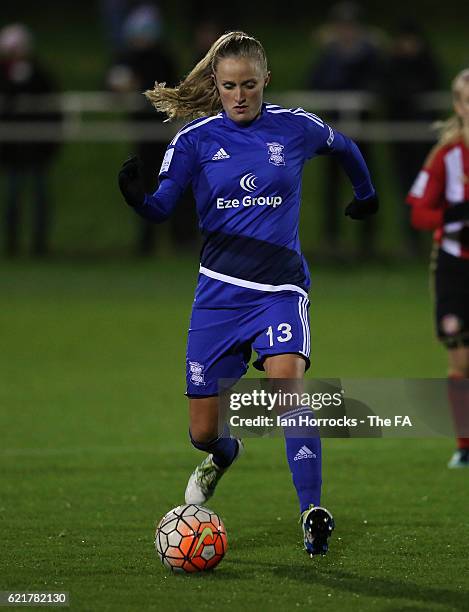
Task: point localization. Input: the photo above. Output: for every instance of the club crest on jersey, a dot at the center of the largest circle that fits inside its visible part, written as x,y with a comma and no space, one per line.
276,156
197,373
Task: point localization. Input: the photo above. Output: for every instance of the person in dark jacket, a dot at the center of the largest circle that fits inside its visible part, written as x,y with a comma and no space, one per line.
26,161
143,61
411,71
349,60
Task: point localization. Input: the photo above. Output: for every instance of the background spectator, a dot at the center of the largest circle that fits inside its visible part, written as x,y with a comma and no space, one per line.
410,72
349,60
25,162
143,61
206,32
113,13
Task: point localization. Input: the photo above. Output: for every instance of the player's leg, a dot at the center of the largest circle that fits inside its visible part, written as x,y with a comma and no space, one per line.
283,346
452,326
458,394
286,366
214,352
205,434
222,449
302,443
303,448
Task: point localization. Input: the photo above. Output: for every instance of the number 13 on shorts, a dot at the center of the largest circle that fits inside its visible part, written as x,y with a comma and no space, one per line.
281,333
284,328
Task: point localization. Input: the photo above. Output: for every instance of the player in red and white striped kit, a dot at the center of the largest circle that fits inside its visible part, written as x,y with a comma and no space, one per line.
440,201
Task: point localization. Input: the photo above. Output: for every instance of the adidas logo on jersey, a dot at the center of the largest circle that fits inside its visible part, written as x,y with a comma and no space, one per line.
220,154
304,453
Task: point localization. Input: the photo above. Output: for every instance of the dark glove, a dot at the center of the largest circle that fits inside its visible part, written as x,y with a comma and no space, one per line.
456,212
131,181
359,209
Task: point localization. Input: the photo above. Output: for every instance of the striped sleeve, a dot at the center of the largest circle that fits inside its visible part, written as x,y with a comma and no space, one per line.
428,188
180,158
321,139
178,162
318,135
426,196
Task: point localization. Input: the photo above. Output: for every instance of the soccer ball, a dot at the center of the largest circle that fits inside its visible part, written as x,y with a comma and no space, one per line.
190,539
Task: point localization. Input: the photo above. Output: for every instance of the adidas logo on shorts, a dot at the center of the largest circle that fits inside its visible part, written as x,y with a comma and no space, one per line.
220,154
304,453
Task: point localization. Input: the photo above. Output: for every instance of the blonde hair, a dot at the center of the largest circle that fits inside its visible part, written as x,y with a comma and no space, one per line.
453,128
197,94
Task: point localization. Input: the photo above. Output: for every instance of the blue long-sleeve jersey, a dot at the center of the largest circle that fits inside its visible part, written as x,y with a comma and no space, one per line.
247,186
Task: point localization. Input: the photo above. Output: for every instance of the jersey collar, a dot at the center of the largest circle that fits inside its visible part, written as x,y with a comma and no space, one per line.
252,125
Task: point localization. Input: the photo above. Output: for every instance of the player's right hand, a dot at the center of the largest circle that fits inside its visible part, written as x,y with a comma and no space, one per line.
131,181
456,212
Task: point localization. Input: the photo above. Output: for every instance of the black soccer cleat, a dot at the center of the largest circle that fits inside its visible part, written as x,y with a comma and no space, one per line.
318,524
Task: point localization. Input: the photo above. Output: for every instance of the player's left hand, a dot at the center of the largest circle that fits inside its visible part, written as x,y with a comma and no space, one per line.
360,209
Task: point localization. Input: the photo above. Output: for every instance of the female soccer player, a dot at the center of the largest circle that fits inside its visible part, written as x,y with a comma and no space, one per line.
440,202
244,159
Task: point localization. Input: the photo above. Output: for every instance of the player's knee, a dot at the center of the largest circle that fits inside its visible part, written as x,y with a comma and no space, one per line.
282,372
465,365
284,366
459,371
458,366
201,434
203,419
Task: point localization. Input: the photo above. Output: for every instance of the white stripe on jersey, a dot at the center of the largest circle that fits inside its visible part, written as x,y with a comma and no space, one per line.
302,308
308,337
193,126
280,110
311,117
454,175
168,156
302,110
303,327
240,282
420,184
299,112
453,247
454,226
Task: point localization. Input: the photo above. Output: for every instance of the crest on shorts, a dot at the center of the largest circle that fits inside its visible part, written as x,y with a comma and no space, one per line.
276,155
197,373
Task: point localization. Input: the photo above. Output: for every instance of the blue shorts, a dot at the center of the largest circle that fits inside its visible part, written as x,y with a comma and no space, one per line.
221,338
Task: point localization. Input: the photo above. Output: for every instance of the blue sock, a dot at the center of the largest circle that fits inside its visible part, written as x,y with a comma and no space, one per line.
223,448
303,447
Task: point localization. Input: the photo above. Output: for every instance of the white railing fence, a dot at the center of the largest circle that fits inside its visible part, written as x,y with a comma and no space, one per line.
79,110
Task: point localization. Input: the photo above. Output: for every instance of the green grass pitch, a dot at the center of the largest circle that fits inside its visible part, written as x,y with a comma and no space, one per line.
94,450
